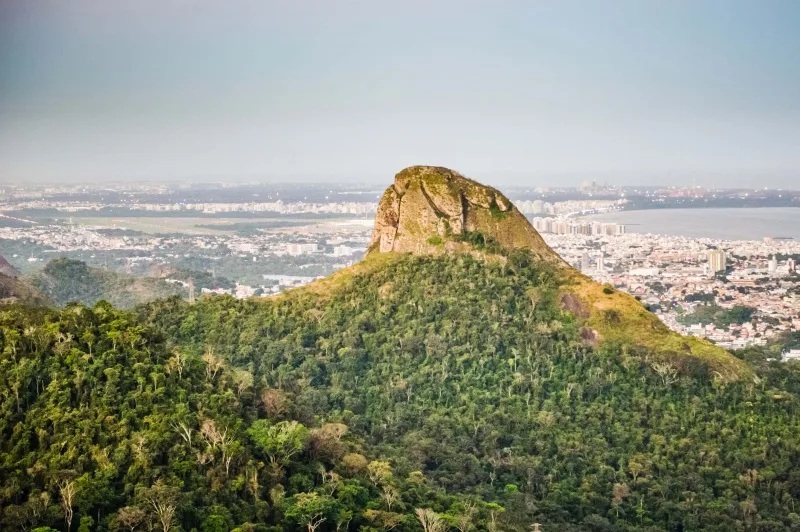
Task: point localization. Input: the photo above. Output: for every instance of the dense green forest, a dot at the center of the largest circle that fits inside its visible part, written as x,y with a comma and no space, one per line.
415,393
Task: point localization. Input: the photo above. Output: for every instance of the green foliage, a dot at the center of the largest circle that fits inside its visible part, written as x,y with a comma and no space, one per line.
430,388
695,297
86,524
481,242
721,317
101,417
201,279
309,509
496,212
279,442
789,340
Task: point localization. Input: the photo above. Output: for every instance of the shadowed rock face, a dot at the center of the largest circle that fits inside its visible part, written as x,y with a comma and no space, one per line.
6,268
427,205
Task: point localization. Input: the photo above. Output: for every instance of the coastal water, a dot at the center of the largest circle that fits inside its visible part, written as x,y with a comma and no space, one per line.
725,224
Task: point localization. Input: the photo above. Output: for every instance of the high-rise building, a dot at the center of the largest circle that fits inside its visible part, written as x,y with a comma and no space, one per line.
772,265
601,266
791,265
716,261
585,261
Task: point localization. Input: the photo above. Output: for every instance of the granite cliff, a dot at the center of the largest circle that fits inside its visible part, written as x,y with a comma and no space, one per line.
429,209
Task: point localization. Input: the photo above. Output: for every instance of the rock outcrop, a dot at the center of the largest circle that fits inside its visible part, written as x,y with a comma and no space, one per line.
433,210
428,208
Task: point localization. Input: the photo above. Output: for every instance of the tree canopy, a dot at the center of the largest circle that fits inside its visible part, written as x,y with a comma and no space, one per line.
432,393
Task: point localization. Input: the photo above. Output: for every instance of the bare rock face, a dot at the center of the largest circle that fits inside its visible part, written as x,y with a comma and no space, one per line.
429,206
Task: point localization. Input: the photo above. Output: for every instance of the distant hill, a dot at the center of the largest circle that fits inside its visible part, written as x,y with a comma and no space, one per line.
7,269
65,280
14,290
201,279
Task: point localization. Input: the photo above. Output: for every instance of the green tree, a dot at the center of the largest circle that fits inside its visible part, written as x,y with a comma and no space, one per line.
309,509
280,441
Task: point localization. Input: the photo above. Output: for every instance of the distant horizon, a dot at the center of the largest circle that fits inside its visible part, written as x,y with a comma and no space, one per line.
516,181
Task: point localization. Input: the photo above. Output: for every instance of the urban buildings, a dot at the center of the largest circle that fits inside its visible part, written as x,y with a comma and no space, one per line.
669,275
791,354
716,261
564,226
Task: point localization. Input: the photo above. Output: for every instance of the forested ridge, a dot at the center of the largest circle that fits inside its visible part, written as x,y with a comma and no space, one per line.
65,280
15,290
420,393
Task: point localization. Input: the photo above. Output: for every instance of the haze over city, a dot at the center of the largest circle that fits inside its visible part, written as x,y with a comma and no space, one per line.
518,93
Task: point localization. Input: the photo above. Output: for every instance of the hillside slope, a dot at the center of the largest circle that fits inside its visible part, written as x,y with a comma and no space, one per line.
439,382
65,280
473,372
7,269
15,290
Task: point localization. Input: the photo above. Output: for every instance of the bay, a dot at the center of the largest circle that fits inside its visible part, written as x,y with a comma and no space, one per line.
724,224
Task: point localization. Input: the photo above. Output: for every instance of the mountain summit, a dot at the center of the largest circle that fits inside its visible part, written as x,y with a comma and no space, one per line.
429,209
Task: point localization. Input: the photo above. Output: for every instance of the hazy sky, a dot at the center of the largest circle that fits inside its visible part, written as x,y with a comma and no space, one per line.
514,92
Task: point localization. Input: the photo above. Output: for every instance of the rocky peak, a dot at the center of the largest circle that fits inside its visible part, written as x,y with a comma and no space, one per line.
428,206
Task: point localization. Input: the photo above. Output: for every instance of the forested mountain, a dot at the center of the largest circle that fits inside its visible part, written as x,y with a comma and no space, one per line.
431,210
15,290
66,280
469,385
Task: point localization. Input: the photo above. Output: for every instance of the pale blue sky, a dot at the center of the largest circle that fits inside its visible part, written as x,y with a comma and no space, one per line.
536,92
